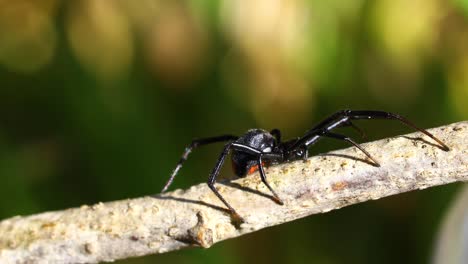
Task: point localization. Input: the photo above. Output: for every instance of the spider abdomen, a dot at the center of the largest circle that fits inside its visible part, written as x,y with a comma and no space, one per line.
242,164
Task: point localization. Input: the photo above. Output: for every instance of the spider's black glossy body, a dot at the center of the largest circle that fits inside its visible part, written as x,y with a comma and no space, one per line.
260,139
269,144
257,147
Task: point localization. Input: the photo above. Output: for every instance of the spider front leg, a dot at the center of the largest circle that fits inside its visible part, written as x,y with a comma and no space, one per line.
353,126
315,135
212,180
248,150
343,118
195,143
370,114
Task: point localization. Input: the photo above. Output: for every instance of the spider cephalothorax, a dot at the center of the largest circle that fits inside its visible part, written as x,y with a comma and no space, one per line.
257,147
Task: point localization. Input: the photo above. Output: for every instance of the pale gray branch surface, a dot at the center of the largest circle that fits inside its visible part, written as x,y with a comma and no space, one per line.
192,217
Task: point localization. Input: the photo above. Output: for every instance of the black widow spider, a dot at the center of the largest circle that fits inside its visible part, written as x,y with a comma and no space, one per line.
258,147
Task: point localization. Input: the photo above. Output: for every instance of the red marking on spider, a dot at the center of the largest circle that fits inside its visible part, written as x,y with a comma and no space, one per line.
254,168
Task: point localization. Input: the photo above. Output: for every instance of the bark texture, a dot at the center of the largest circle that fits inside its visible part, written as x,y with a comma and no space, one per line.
195,216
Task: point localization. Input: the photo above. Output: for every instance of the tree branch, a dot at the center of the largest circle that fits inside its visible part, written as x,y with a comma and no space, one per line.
195,217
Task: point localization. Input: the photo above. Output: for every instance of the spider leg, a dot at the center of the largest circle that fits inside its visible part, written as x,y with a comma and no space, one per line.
352,142
195,143
264,180
352,125
367,114
342,118
222,158
261,155
212,180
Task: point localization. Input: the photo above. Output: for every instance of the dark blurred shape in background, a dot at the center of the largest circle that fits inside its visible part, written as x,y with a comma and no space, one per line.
99,98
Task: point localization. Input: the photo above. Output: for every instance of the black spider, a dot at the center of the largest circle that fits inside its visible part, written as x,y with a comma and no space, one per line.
257,147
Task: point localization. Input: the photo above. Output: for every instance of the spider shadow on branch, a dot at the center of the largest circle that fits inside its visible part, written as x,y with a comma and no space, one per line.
228,182
415,139
412,139
348,157
247,189
184,200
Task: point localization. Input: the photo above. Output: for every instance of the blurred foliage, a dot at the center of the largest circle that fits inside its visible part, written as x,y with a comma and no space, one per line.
99,98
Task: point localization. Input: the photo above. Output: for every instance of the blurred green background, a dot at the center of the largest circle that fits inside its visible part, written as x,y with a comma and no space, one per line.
99,98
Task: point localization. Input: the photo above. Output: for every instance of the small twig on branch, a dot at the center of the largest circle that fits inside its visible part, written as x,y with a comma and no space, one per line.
196,217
